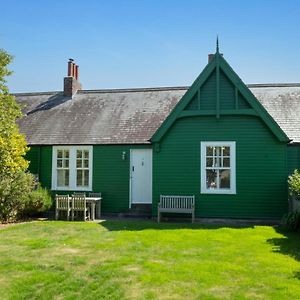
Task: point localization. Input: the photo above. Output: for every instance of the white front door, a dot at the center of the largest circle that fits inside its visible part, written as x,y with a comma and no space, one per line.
141,176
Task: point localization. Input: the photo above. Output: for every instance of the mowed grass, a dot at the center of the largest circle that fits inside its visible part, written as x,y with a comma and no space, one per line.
145,260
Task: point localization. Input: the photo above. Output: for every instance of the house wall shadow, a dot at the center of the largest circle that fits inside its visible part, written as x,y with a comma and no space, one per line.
289,244
139,225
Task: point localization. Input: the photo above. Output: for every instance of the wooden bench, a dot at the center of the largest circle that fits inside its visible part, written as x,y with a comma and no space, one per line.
176,204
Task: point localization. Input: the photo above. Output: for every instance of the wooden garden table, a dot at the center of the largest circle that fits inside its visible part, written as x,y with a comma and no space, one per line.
92,201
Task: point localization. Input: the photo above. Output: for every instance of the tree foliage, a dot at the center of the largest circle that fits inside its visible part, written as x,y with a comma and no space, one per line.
12,144
18,193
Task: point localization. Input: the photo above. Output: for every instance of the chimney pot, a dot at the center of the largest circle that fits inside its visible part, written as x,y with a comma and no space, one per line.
70,68
71,83
76,72
73,69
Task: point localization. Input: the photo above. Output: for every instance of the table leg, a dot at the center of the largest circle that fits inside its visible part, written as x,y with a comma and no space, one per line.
93,211
99,209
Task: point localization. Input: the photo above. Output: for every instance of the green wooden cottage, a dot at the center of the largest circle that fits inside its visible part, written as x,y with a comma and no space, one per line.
229,144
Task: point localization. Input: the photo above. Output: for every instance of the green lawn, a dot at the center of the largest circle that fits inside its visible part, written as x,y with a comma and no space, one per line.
144,260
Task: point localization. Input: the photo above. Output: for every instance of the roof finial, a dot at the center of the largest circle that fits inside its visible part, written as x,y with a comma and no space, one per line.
217,45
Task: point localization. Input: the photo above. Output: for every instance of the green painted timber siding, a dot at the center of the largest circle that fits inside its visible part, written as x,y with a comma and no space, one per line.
40,158
261,167
293,158
111,176
110,173
33,157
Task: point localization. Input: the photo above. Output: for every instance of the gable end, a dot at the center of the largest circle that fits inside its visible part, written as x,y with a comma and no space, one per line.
218,91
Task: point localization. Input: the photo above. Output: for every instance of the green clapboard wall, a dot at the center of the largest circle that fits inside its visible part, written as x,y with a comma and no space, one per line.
261,168
110,173
293,158
219,107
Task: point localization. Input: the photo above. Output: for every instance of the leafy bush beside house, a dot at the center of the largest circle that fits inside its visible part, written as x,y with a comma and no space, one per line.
294,188
14,191
39,200
294,185
18,193
20,198
292,219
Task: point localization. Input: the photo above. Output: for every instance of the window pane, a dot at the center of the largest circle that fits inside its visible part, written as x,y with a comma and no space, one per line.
211,179
209,151
224,179
209,162
62,178
66,154
78,163
59,163
79,153
86,163
66,163
66,177
59,154
226,151
217,151
86,178
217,162
226,162
79,178
86,154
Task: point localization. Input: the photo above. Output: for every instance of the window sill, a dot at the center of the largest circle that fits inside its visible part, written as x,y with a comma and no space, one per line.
89,189
219,192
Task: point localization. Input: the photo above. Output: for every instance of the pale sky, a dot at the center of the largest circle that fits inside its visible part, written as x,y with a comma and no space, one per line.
135,43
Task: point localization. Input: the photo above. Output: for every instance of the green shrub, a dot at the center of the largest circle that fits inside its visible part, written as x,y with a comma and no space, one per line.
21,196
39,200
292,221
294,184
14,191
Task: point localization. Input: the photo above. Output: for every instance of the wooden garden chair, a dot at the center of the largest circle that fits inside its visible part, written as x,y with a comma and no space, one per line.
78,194
62,204
79,205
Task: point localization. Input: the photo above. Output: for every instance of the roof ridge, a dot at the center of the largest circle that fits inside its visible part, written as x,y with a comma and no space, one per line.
36,93
125,90
151,89
254,85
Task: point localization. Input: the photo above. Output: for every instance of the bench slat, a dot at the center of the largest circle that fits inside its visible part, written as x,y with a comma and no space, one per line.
178,204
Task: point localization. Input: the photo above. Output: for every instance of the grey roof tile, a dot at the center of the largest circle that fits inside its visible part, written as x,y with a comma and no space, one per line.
130,116
283,104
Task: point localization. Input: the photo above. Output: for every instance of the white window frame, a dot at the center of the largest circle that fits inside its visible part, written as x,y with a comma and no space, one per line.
232,145
72,168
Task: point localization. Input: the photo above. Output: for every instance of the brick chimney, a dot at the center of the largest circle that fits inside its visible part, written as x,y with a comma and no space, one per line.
71,82
210,57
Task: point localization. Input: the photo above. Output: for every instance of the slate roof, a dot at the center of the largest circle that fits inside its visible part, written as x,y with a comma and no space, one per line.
131,116
283,104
